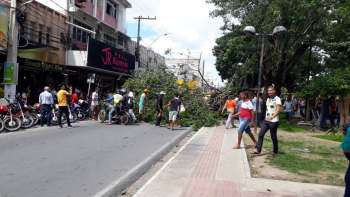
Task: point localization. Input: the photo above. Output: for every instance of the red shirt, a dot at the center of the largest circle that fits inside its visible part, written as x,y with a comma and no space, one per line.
246,110
75,98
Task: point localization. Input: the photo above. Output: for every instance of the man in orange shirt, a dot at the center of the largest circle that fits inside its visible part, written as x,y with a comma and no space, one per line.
230,106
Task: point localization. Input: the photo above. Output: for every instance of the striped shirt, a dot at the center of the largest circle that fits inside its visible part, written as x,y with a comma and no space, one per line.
45,98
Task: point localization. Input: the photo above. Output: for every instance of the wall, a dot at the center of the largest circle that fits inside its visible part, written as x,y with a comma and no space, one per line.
43,34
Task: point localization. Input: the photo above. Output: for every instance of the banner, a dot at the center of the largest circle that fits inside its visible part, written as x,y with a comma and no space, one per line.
109,58
10,74
4,22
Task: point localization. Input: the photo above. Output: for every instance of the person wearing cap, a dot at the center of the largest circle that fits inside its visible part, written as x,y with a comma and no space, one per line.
159,107
346,149
46,101
142,103
130,103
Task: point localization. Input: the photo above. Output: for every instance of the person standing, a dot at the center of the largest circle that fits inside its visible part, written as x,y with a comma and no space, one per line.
46,101
142,104
334,112
159,107
230,106
288,108
63,105
174,109
302,106
246,115
75,97
130,104
273,109
94,104
346,149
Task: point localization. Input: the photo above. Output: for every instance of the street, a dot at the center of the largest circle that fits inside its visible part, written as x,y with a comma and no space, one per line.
79,161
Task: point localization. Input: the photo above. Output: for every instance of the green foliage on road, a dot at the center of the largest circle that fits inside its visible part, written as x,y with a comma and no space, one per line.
197,114
318,41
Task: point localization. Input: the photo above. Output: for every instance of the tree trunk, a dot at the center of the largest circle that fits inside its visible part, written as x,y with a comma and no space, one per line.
308,109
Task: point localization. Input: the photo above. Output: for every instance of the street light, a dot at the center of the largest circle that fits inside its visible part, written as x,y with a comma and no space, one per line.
155,40
250,31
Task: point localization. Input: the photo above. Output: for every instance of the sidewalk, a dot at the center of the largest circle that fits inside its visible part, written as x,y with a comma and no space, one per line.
208,167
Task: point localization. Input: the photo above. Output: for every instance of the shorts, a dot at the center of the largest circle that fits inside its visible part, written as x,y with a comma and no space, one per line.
173,115
244,125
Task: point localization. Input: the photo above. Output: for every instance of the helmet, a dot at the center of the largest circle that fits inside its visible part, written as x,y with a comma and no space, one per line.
122,91
131,94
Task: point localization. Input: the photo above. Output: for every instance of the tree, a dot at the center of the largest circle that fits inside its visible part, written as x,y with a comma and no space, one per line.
290,60
197,113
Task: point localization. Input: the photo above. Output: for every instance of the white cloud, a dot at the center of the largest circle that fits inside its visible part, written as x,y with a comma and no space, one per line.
188,24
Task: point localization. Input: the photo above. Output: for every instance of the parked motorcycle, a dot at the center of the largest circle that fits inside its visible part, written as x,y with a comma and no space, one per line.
8,120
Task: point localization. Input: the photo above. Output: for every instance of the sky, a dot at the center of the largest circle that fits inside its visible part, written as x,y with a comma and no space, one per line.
188,24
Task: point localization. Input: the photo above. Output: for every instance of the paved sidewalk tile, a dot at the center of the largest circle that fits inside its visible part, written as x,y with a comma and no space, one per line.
209,167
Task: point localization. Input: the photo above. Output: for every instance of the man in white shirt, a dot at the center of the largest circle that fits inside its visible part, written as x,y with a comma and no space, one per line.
46,102
273,108
94,104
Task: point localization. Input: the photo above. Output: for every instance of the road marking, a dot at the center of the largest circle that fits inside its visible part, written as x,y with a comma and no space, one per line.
138,193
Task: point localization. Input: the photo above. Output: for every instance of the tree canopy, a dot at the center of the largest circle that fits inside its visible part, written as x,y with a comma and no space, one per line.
317,42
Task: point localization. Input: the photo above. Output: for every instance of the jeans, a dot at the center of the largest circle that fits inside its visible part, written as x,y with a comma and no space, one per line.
63,110
244,125
45,111
159,117
110,113
229,120
265,126
131,112
288,116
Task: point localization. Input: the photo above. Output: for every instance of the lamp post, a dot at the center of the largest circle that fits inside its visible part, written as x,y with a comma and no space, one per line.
155,40
250,31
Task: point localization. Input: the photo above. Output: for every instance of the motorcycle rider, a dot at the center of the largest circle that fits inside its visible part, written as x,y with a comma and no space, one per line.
116,98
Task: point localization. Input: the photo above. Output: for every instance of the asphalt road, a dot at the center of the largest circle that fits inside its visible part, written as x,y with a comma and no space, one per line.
79,161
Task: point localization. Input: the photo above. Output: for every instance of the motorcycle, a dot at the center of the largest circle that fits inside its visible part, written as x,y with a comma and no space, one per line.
81,110
119,116
55,115
8,120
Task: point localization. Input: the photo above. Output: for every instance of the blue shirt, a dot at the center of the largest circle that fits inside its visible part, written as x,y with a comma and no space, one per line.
346,142
46,98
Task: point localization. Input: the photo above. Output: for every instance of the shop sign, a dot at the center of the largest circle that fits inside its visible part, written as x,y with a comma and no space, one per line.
4,22
10,73
109,58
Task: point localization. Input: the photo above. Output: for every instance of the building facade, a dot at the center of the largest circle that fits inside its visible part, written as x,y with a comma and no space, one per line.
55,45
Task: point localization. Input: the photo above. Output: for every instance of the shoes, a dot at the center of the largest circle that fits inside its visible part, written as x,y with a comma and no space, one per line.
61,126
70,126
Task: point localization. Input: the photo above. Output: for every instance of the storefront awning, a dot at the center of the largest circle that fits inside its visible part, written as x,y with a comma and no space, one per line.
94,69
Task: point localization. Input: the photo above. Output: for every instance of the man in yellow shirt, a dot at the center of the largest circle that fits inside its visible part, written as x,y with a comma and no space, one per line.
63,105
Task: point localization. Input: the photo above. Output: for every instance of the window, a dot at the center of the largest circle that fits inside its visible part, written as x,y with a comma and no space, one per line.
112,8
40,36
31,31
109,40
48,32
79,34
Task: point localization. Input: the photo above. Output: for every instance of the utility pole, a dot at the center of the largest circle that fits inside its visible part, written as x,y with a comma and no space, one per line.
203,72
137,52
11,66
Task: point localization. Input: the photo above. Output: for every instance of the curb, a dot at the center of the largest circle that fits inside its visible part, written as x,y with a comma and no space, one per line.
117,187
